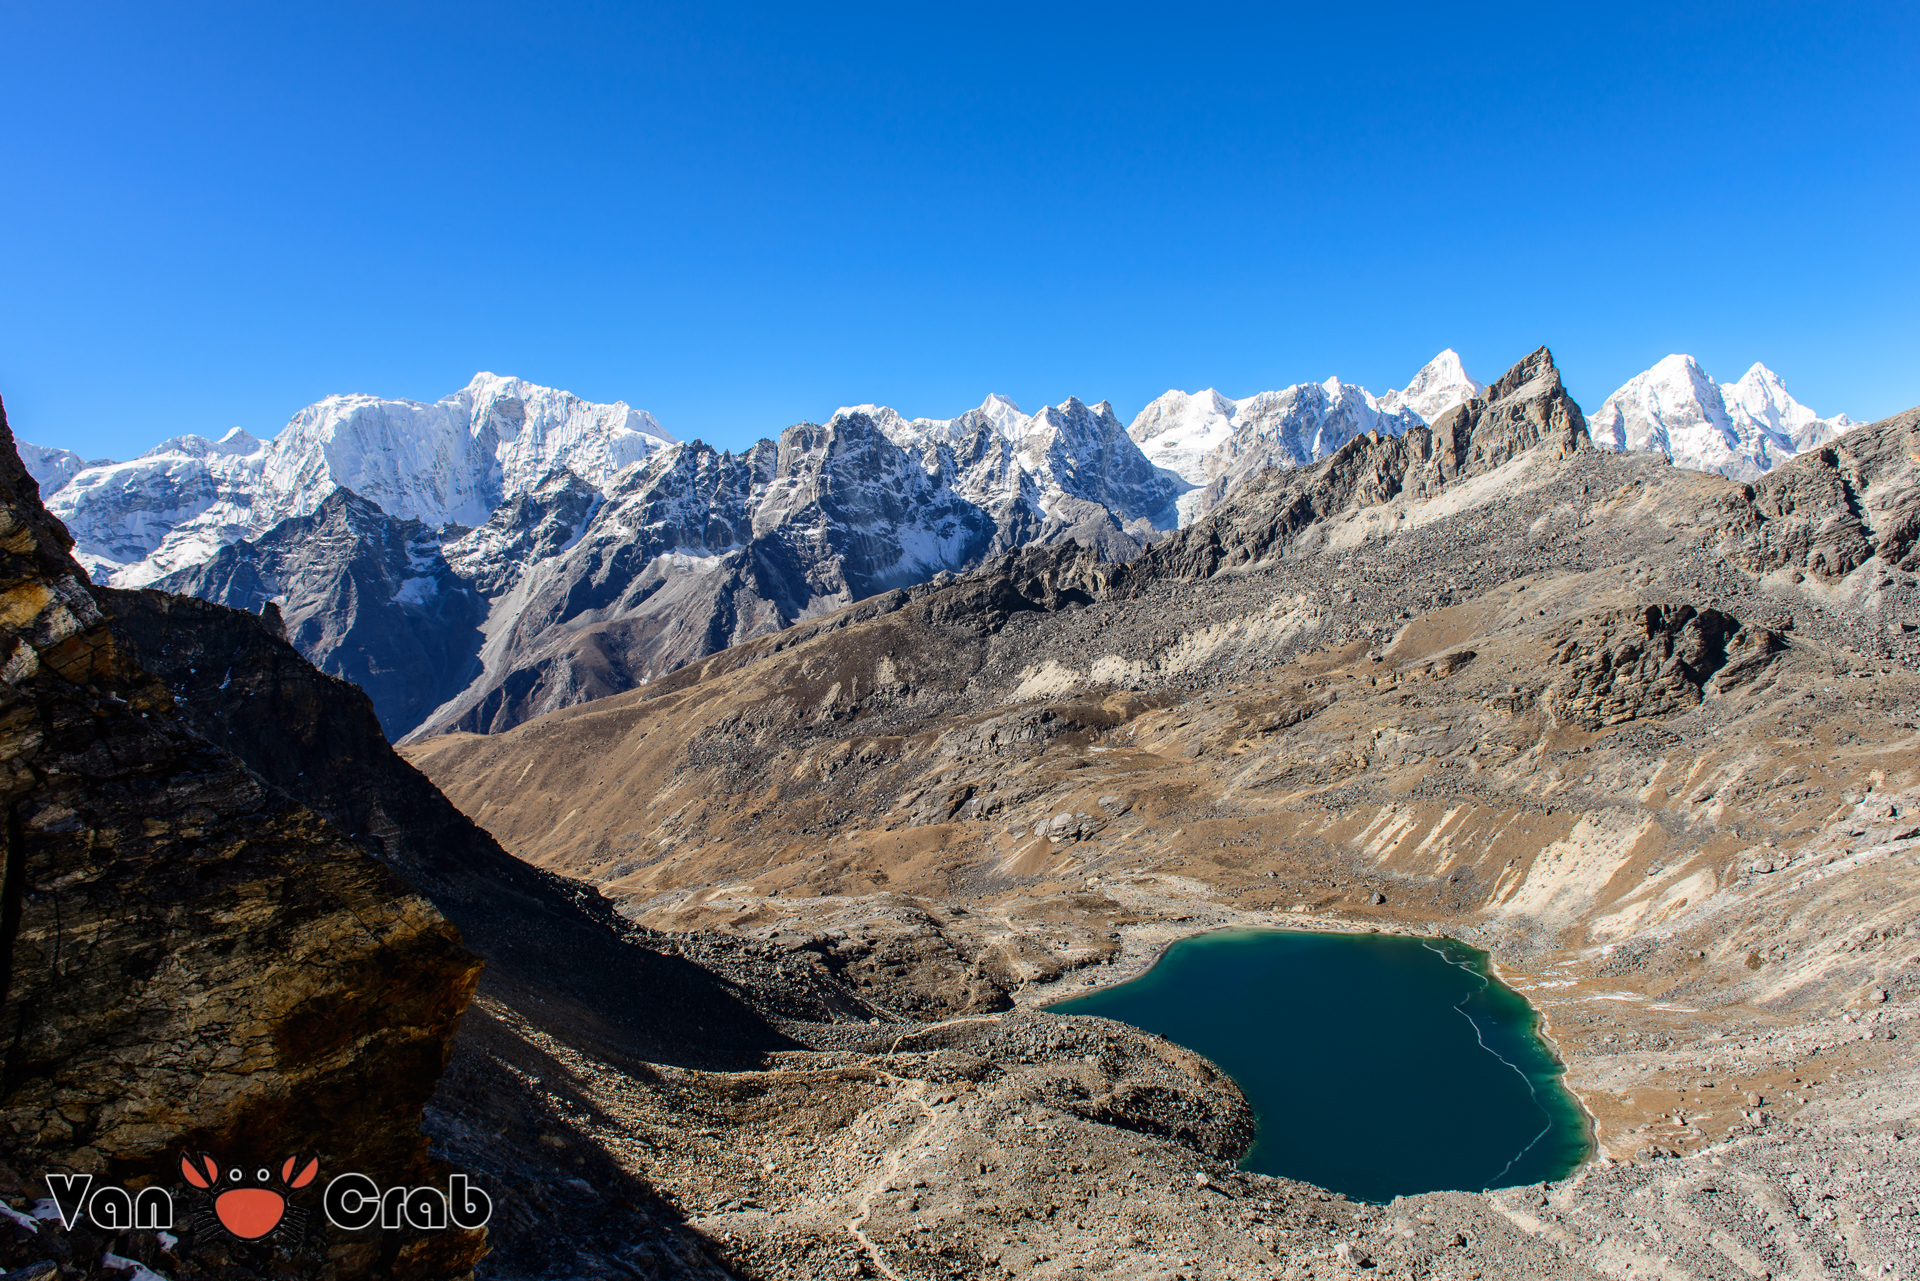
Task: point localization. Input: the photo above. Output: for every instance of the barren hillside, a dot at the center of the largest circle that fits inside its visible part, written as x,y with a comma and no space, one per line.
1646,734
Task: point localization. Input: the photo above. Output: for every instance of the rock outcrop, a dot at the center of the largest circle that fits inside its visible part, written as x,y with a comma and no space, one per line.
189,957
1626,665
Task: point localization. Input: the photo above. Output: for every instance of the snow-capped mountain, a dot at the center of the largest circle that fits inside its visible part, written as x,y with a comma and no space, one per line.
1741,429
511,548
1069,467
451,462
701,549
697,550
1442,383
175,505
1212,443
51,468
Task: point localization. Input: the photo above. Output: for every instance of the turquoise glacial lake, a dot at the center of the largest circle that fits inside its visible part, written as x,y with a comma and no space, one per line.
1377,1065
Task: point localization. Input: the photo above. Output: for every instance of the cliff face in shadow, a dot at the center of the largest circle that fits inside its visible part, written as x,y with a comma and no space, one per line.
190,959
554,948
370,598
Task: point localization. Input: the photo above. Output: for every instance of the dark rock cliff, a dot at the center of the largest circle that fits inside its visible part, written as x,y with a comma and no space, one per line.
191,959
368,597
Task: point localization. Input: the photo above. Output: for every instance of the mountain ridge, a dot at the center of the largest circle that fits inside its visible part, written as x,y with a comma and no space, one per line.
560,550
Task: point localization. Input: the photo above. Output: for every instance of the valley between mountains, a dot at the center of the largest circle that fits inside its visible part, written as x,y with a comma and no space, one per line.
768,938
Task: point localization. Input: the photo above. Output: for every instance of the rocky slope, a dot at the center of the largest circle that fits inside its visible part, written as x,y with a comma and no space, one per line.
190,959
1647,734
1742,429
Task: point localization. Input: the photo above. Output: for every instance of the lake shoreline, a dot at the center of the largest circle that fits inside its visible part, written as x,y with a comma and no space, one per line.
1374,1002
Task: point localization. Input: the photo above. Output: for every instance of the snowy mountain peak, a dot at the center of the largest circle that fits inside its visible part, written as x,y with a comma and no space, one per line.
1070,464
1212,443
1442,383
1006,417
451,462
1741,429
1762,396
235,444
1180,429
52,468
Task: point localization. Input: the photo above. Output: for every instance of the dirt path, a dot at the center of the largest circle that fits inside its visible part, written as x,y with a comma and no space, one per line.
914,1092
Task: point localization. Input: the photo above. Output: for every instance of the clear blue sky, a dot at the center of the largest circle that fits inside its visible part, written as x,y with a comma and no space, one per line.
739,217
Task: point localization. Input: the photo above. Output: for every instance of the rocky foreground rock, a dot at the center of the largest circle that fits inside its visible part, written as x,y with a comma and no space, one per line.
190,960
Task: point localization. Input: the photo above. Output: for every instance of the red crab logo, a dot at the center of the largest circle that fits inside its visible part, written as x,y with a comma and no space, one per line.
250,1207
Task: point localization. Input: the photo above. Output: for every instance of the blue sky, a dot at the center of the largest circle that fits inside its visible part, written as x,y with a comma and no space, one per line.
739,217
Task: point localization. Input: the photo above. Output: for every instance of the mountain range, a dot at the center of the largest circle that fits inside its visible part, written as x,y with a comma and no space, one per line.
512,549
754,970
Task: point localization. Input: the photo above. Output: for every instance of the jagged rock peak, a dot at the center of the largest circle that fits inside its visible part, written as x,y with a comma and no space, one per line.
1518,381
1526,408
